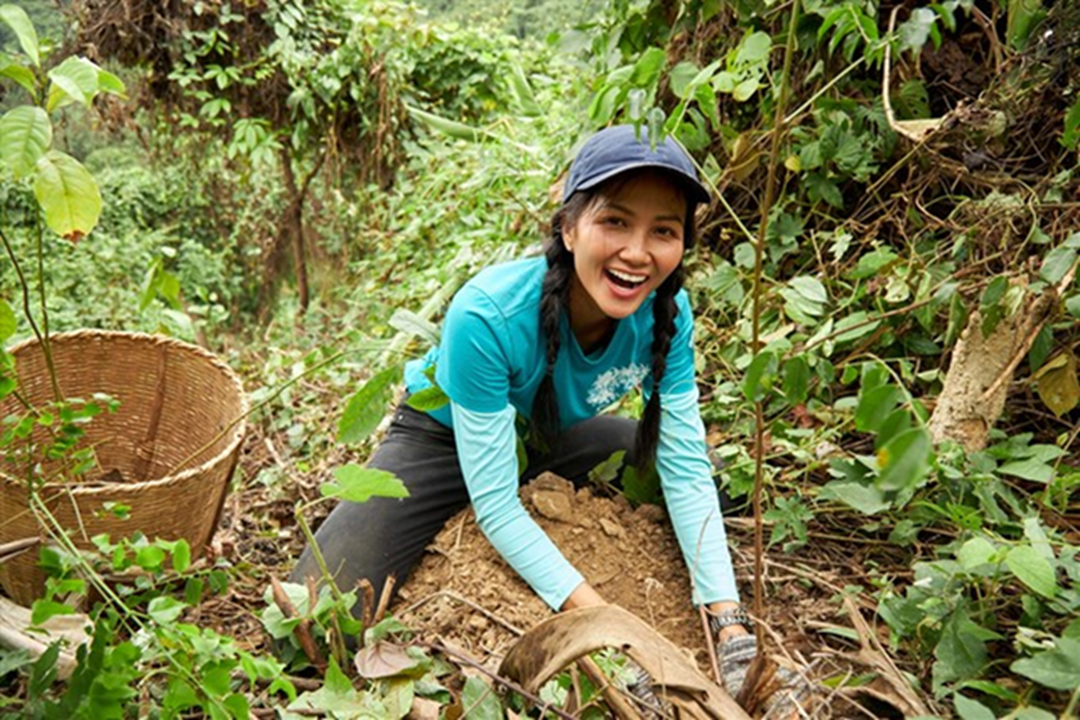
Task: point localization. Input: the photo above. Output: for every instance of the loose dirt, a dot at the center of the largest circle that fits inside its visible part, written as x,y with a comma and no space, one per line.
467,596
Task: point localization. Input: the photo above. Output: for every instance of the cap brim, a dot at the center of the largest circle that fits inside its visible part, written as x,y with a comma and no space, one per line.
695,189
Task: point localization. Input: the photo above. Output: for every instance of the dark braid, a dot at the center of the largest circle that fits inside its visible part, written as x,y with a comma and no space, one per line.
554,301
664,311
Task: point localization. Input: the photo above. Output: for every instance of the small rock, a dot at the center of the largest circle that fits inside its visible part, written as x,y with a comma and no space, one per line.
553,505
611,527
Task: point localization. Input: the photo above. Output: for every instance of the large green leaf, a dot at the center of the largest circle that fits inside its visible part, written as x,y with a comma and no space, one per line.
875,405
450,128
20,74
19,22
1058,668
1032,569
904,460
866,499
358,484
480,701
25,136
68,194
74,80
366,408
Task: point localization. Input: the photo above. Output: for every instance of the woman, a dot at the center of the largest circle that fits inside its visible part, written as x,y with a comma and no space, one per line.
556,340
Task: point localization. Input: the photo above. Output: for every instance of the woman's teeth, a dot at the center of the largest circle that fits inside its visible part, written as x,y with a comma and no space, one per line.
625,279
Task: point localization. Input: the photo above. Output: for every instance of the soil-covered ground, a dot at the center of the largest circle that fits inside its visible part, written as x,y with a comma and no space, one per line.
463,596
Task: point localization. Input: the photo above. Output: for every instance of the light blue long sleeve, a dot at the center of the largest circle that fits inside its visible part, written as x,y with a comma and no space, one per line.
487,445
691,498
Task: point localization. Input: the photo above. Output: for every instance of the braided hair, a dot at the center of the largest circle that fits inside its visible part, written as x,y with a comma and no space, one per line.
555,301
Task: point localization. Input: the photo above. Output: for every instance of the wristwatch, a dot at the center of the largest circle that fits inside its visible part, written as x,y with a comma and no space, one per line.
727,618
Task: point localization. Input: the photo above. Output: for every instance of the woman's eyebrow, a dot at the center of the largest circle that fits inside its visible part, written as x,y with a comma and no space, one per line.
623,208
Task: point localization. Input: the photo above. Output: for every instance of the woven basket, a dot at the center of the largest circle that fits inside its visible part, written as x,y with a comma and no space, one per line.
167,453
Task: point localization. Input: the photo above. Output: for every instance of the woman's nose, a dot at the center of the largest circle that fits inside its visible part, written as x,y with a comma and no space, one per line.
636,248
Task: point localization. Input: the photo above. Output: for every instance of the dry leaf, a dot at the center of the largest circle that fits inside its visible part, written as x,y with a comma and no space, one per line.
1057,383
382,660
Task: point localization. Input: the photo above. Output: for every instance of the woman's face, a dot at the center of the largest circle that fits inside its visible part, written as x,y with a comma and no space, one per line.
624,245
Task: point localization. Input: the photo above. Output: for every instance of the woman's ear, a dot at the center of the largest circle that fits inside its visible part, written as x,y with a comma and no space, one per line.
569,237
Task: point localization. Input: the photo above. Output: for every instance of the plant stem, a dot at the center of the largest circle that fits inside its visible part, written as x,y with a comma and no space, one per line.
23,285
759,255
46,346
339,650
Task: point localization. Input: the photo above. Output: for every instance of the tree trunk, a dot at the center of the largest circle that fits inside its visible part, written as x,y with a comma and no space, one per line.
293,226
980,372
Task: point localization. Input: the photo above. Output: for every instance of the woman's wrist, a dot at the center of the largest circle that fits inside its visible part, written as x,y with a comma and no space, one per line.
727,619
583,596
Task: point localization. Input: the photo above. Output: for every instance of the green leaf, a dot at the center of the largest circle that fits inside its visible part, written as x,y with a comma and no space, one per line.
164,609
150,557
872,262
904,460
865,499
359,484
8,322
480,701
523,92
19,22
25,137
68,194
336,680
648,66
796,373
450,128
976,552
875,405
22,75
760,376
961,652
42,610
754,49
107,82
365,409
181,556
1028,469
969,709
74,80
1056,263
858,322
680,78
1058,668
428,399
1071,137
1032,569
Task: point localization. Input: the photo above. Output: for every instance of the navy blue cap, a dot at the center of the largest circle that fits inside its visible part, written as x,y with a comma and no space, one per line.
617,149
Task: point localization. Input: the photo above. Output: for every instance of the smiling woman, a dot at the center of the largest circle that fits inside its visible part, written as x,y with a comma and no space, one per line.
553,341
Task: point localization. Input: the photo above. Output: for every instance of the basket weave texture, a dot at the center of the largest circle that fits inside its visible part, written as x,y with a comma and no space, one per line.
167,453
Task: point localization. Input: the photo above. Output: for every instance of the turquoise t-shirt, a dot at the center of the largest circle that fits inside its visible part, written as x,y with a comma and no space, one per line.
490,364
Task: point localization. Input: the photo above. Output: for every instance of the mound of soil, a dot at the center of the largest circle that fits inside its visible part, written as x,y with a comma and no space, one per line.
464,594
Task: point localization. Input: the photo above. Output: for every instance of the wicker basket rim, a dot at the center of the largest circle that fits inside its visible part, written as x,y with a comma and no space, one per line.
238,428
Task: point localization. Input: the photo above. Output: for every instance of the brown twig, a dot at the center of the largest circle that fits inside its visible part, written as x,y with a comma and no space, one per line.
618,704
302,629
384,598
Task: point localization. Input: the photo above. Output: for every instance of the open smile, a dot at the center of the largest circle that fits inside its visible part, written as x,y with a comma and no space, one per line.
630,281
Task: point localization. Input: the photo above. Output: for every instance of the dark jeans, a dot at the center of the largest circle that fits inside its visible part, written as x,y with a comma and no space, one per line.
387,536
